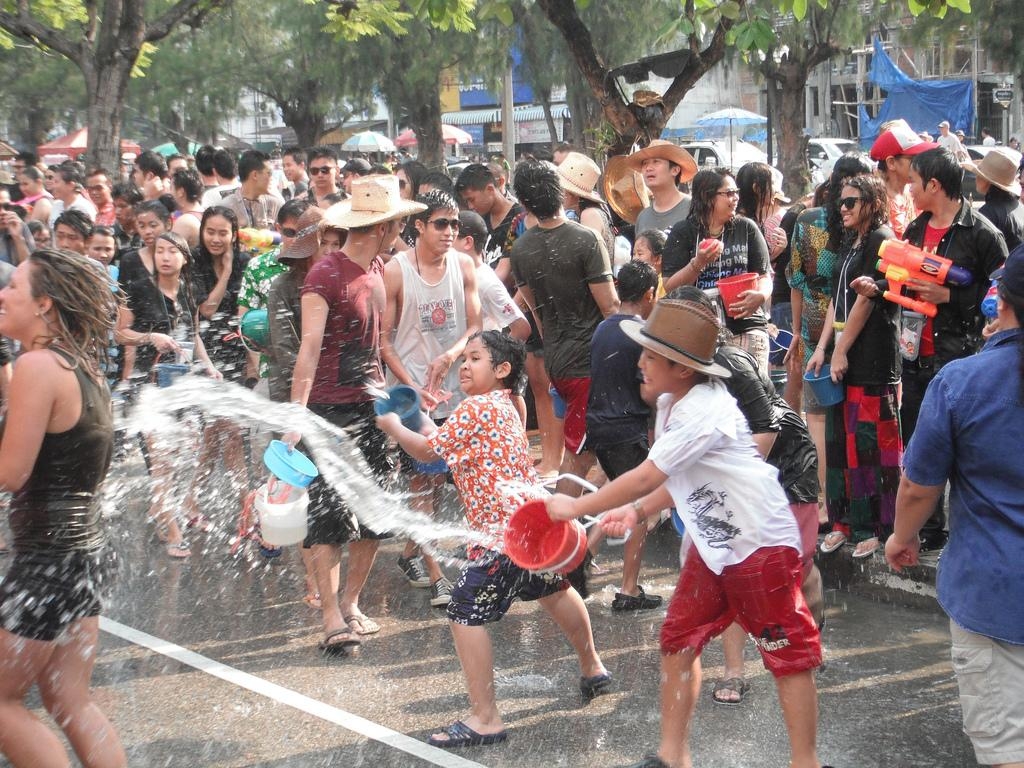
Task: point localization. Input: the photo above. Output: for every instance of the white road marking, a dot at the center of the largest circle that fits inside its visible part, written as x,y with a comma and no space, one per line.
288,697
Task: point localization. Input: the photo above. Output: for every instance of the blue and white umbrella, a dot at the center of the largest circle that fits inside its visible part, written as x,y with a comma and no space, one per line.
730,116
368,141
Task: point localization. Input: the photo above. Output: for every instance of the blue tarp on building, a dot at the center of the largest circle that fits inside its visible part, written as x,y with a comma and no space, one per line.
922,103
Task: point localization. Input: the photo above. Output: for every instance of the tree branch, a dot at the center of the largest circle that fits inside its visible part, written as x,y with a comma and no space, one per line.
26,27
184,11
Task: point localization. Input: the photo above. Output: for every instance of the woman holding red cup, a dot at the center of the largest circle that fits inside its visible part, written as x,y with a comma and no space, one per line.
713,243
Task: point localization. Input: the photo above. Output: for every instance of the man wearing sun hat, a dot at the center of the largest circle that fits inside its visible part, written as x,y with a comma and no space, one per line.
893,150
996,179
343,301
664,166
744,564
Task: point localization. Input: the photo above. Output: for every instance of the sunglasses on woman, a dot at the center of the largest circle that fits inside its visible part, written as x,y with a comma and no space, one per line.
849,203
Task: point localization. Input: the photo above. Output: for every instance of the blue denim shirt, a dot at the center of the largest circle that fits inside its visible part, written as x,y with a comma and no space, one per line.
971,431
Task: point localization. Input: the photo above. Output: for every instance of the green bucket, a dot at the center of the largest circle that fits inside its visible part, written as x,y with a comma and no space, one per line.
255,329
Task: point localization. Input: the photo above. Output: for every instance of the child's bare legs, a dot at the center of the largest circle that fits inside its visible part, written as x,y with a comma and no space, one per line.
799,699
733,640
570,614
680,687
473,645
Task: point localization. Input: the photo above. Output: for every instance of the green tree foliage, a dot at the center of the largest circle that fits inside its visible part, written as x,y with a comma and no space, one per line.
107,42
45,90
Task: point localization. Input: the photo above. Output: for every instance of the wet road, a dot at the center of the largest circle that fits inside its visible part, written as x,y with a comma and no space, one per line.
212,662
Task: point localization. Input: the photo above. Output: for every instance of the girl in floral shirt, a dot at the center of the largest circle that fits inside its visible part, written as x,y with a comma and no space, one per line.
485,446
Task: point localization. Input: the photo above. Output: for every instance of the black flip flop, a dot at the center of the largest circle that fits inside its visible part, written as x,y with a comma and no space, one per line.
341,648
461,735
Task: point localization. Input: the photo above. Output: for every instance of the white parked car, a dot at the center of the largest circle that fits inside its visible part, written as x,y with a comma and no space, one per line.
715,154
822,154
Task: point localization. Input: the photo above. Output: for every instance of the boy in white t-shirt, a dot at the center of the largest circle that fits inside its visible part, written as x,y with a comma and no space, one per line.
744,562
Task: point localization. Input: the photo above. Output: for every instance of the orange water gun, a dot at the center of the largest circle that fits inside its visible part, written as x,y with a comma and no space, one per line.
902,262
258,240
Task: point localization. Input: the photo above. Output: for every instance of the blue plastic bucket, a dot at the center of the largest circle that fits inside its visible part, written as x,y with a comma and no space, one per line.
778,346
405,401
289,466
168,373
826,391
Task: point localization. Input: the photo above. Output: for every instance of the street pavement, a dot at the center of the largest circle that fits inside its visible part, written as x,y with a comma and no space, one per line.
213,662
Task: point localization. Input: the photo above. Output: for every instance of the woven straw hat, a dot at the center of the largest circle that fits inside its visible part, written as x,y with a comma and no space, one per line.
578,174
374,200
666,150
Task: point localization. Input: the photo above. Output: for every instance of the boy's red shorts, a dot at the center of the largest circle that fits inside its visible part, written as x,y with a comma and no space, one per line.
575,393
762,593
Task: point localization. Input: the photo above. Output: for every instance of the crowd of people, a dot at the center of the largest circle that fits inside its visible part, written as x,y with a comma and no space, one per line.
503,299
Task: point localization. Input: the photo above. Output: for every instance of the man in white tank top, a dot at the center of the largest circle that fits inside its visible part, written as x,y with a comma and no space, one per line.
432,310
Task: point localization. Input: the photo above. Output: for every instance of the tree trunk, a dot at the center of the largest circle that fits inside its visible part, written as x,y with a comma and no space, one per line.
426,123
792,149
106,83
545,103
307,122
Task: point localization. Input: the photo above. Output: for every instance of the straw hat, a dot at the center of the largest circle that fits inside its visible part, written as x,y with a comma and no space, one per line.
683,331
624,189
374,200
578,174
305,243
998,167
6,177
666,150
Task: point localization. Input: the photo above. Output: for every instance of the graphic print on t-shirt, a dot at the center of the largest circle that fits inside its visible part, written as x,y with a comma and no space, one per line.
437,316
708,507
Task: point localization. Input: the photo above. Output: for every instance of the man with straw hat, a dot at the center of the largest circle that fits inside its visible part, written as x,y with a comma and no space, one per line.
996,179
744,562
664,166
342,305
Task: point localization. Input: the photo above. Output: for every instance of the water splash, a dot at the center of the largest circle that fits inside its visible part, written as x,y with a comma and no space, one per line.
158,411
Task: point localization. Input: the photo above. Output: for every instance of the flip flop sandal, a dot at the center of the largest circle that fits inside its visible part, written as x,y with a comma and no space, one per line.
595,686
179,550
735,685
461,735
361,625
833,541
867,551
340,648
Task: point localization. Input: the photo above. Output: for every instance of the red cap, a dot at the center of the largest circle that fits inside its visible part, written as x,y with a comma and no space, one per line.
899,140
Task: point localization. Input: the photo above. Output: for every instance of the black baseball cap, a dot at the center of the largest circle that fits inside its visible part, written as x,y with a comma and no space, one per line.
358,166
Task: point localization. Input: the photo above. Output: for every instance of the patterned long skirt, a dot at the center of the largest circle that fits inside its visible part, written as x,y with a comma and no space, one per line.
863,453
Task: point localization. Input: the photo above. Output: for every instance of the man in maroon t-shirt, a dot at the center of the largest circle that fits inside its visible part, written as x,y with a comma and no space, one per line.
339,357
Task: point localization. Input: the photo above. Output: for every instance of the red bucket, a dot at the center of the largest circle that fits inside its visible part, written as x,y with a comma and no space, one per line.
730,288
537,543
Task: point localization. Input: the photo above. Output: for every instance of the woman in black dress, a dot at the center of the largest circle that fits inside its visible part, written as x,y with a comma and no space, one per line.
54,455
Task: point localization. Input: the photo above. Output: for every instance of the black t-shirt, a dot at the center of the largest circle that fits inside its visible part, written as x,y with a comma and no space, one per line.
615,412
220,334
744,250
874,357
155,313
780,285
793,453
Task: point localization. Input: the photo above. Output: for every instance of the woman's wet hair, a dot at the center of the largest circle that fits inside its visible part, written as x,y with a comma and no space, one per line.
85,309
155,207
505,349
